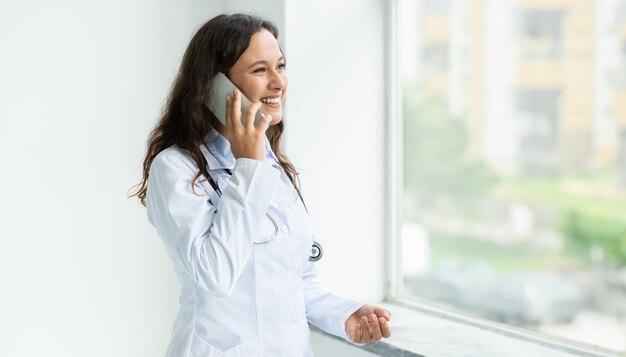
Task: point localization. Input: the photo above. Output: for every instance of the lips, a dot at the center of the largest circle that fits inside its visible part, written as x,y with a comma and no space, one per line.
271,101
274,105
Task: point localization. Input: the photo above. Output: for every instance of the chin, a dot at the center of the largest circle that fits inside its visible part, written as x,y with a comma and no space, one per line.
276,117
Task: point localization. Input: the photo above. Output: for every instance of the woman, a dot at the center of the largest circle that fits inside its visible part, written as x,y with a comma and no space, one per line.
225,201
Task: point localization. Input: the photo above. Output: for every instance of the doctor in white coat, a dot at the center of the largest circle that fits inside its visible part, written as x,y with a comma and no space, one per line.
225,201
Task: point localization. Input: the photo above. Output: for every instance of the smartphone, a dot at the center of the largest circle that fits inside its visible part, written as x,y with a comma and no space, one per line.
221,88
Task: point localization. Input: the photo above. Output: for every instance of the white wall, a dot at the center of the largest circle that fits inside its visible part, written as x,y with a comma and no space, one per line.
335,134
81,84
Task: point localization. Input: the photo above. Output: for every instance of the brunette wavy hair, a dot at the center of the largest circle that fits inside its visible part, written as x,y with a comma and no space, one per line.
185,119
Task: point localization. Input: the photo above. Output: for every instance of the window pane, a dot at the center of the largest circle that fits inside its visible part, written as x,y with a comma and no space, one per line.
514,149
540,34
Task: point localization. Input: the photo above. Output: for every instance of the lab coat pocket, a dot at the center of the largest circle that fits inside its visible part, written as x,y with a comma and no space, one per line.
268,231
200,348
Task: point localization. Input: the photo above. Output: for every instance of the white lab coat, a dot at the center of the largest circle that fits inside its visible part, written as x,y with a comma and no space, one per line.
247,287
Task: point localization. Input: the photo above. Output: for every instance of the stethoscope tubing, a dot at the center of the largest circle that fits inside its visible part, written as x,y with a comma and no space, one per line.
316,248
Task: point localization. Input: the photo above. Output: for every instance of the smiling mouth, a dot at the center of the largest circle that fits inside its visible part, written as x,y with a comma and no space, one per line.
272,105
271,101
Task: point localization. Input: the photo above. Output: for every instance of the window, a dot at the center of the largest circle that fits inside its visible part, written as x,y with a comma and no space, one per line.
538,111
541,34
437,6
435,57
508,209
537,120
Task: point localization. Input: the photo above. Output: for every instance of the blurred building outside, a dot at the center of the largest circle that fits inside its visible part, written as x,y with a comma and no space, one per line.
539,87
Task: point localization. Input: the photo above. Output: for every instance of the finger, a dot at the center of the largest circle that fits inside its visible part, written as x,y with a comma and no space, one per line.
380,312
251,115
265,122
376,333
384,327
235,110
229,102
365,330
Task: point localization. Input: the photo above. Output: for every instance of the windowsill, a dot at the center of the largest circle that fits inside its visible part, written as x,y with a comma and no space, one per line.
424,334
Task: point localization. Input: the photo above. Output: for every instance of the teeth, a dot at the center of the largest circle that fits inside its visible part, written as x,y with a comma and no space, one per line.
271,101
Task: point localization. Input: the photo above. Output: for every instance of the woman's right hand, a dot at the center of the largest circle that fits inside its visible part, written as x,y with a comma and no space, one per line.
246,139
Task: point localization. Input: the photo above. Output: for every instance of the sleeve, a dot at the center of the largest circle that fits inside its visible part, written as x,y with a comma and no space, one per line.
209,244
324,309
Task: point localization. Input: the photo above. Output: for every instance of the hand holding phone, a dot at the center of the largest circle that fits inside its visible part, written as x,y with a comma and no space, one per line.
220,89
247,140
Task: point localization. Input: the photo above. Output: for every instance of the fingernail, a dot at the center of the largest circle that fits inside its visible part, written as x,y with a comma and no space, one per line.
236,91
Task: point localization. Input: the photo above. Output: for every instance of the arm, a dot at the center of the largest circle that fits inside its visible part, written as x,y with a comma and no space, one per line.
356,322
210,244
324,309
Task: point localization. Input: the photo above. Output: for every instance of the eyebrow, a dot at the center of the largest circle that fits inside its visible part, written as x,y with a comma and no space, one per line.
265,62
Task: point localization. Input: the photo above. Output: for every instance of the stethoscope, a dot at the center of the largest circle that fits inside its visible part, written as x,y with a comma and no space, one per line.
316,249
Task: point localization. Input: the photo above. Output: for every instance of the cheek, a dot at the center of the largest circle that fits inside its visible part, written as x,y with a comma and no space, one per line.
252,90
286,80
255,94
285,86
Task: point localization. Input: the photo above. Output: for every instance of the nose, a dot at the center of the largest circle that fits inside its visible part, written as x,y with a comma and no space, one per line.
277,81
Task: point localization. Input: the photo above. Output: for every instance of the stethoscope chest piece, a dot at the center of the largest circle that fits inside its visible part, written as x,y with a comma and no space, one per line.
316,252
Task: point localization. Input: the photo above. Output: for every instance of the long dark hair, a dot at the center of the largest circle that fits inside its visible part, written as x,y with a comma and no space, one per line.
186,120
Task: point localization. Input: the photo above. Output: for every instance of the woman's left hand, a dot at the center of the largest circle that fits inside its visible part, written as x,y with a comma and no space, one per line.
369,323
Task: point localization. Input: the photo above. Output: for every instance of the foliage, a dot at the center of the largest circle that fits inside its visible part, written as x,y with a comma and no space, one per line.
436,159
585,220
586,228
437,164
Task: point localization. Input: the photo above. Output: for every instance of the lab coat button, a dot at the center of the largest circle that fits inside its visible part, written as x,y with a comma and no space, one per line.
273,238
289,275
285,229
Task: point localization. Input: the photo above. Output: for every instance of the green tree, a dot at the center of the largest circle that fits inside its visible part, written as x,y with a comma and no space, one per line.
585,228
436,162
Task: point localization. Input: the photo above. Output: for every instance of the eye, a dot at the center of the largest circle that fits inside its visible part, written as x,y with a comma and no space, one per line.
281,67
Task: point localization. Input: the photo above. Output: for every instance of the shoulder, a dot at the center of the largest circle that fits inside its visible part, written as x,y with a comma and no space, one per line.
173,161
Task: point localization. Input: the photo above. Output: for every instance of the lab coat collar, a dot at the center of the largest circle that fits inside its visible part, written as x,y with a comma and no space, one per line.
216,149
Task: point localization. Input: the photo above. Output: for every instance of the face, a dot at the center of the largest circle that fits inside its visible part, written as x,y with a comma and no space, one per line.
260,74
